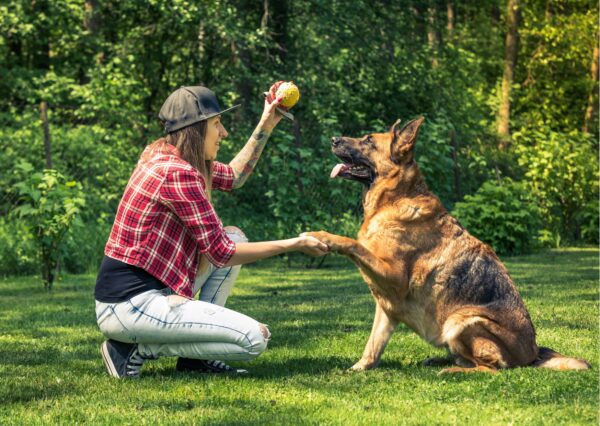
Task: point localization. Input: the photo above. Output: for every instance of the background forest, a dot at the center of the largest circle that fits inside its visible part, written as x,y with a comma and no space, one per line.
509,91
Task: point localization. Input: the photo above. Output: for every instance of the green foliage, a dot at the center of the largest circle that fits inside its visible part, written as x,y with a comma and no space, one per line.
557,41
434,156
17,249
589,220
105,68
48,206
562,174
501,214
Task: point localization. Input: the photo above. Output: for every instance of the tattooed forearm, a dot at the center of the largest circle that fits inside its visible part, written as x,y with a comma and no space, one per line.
243,164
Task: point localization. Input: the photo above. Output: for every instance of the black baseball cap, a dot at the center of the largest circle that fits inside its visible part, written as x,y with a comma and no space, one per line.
188,105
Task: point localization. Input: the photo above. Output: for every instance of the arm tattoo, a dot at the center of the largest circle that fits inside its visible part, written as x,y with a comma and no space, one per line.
243,164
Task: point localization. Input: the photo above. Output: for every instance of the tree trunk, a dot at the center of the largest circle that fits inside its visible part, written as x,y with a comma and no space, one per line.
433,37
590,112
419,32
91,23
450,17
91,20
46,127
511,51
241,57
264,22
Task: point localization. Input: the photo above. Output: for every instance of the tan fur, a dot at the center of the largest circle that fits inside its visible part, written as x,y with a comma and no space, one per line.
408,251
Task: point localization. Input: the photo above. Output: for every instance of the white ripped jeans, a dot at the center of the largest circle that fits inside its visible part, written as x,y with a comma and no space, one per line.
165,324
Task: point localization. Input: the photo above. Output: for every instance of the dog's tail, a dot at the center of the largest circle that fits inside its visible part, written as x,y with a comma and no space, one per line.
547,358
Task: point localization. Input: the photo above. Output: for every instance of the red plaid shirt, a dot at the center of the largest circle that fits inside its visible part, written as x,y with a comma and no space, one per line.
165,220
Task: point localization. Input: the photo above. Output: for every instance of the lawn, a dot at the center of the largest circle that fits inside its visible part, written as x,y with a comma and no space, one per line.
51,370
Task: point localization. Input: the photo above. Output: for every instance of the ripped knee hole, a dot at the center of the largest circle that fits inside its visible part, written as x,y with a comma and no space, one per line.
175,300
265,331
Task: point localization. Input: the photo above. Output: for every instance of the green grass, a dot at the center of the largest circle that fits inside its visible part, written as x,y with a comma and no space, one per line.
51,370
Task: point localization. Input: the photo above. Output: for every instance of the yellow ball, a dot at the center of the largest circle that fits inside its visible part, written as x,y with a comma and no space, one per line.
290,94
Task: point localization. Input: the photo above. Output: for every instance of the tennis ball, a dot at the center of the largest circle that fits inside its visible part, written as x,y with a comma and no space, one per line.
290,94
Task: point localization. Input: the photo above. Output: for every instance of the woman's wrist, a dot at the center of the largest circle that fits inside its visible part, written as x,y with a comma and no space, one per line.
294,243
265,126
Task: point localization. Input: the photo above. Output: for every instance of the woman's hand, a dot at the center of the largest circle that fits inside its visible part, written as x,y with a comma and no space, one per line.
270,116
310,245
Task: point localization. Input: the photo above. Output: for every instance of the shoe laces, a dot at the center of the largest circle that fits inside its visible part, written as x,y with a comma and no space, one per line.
220,365
134,363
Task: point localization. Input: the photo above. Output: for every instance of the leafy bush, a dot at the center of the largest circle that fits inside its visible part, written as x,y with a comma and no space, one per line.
502,214
48,207
562,175
83,247
589,221
17,249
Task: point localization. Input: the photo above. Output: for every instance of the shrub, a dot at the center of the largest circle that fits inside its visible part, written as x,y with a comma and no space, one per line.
502,214
48,206
17,249
562,175
83,247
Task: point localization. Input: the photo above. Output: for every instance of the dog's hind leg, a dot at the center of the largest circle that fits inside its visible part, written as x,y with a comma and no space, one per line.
471,341
476,351
381,333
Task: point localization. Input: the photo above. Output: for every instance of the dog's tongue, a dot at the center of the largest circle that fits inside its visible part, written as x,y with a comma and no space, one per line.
337,169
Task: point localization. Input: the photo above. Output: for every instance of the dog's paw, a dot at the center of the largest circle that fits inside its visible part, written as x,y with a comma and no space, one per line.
362,366
334,242
324,237
477,369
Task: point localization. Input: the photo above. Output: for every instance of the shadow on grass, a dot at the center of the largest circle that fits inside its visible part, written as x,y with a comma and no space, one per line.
32,391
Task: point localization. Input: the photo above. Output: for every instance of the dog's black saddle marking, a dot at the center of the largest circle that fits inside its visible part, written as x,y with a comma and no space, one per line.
480,281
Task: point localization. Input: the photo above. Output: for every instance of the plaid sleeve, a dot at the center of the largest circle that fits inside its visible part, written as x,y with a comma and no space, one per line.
183,192
222,176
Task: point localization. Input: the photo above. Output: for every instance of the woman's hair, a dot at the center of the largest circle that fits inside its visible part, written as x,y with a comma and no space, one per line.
189,141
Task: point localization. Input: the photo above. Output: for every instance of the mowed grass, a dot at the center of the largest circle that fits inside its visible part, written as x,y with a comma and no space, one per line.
51,370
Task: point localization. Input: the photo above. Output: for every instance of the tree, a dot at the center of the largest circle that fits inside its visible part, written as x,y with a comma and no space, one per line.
591,110
513,20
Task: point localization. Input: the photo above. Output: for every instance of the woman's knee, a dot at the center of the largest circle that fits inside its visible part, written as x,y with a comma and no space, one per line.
235,234
258,340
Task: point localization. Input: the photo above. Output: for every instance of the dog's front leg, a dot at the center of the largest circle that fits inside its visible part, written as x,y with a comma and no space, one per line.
373,266
381,333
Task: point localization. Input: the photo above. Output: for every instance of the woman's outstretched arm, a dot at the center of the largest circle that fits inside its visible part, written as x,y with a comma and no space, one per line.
251,252
244,162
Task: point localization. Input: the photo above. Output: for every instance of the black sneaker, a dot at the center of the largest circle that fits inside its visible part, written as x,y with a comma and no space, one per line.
203,366
122,360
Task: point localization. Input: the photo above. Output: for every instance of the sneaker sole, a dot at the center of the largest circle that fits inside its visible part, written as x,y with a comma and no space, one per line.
108,361
239,372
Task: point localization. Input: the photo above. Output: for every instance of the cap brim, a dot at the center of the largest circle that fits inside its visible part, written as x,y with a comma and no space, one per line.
194,120
219,113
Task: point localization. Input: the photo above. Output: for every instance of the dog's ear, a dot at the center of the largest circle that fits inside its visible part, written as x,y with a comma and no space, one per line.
395,126
404,139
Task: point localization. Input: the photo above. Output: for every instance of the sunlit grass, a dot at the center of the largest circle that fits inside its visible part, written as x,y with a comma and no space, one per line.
51,371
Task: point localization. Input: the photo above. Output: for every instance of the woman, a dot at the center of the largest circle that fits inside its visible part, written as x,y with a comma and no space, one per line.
166,229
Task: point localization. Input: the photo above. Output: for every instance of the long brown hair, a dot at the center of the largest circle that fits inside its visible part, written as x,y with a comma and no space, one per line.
189,141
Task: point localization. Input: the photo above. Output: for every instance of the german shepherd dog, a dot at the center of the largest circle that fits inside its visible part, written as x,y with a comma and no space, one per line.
425,270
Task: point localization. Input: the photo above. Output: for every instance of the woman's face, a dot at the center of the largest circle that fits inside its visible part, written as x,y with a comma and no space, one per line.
214,133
